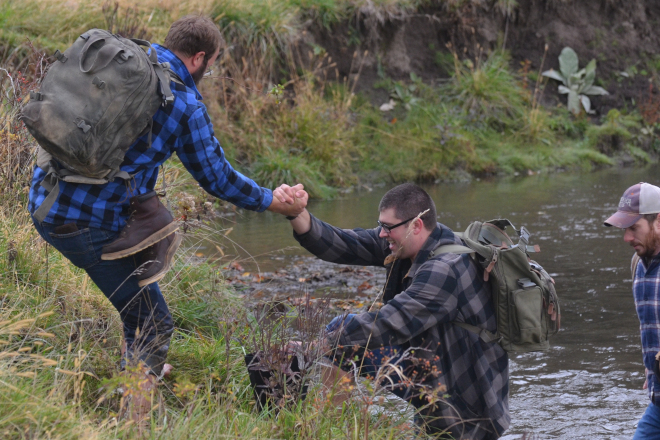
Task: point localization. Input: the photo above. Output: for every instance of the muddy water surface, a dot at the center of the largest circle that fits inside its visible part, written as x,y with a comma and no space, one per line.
588,386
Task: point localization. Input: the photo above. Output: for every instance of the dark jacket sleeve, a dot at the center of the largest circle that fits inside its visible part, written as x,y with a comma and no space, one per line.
345,246
430,300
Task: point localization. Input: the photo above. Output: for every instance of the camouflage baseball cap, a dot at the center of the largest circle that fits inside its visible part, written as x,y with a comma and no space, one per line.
642,198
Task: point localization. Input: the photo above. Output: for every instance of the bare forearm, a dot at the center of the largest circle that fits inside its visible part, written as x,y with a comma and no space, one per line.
303,223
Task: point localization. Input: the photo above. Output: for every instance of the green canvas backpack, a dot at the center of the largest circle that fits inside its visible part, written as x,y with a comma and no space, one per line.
524,296
94,102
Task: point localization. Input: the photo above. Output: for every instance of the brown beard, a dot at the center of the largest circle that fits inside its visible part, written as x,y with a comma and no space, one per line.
199,73
650,244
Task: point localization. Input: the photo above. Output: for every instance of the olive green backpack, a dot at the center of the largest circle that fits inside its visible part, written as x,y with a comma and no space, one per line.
94,102
524,297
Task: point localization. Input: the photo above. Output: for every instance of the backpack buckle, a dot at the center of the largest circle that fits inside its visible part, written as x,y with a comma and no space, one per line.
98,83
524,235
80,123
60,56
125,55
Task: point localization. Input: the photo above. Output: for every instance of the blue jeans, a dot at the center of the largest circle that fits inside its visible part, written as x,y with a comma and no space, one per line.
373,360
648,427
147,321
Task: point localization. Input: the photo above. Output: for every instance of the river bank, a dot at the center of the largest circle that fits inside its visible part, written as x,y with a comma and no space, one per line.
486,116
390,91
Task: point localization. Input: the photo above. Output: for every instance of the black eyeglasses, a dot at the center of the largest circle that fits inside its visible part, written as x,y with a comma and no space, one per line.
388,228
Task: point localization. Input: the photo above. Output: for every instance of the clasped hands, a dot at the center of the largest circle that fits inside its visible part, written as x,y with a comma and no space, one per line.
292,199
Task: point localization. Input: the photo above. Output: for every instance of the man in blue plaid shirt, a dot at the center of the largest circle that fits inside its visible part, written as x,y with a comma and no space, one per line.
637,214
458,383
84,217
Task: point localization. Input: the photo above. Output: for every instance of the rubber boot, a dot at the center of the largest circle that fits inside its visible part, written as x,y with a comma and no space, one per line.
157,259
149,223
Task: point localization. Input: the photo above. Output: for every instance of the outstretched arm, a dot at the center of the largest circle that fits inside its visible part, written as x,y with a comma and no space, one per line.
201,154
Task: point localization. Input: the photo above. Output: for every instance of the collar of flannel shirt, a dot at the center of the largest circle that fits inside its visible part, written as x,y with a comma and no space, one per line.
166,55
441,235
648,262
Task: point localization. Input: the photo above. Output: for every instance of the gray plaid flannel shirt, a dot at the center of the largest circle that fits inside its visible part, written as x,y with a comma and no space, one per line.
431,295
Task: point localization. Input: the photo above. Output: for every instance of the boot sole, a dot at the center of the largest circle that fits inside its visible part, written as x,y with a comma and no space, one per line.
170,255
150,240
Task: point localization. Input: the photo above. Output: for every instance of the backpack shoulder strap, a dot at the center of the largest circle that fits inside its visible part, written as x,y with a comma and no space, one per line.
450,249
484,334
174,77
633,265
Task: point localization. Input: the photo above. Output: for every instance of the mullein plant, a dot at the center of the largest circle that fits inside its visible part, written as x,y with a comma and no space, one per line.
577,84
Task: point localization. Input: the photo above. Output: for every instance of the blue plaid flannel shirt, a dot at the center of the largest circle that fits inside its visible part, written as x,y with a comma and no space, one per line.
430,295
183,127
646,290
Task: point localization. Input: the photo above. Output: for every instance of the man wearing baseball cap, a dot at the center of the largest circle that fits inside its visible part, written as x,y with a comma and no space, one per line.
638,215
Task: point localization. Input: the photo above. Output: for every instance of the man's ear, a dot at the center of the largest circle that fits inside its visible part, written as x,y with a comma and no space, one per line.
198,59
418,225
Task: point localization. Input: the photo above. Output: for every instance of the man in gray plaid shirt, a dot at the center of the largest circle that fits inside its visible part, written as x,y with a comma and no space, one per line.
458,383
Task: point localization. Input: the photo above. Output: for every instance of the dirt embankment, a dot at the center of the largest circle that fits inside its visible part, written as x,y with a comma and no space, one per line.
619,34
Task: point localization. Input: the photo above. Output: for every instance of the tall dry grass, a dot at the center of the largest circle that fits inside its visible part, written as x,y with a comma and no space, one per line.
482,120
60,338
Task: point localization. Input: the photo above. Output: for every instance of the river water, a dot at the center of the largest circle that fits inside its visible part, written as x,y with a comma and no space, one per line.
589,384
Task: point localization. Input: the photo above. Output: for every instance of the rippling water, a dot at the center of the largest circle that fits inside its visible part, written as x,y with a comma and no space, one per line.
588,386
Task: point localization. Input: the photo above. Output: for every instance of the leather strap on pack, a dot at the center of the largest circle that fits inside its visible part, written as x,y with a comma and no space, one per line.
490,267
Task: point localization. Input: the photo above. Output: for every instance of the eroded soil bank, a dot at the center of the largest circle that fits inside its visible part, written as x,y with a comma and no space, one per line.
619,35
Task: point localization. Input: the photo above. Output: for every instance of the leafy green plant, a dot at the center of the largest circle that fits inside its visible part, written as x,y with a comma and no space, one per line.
405,93
277,91
576,83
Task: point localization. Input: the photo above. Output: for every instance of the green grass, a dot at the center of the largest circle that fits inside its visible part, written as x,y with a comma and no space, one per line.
59,348
60,337
481,121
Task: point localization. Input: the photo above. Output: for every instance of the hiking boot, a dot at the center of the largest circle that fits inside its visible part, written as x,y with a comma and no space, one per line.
157,259
149,223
